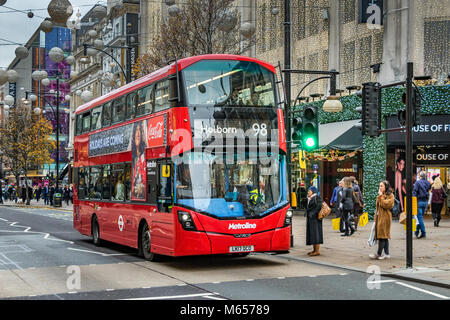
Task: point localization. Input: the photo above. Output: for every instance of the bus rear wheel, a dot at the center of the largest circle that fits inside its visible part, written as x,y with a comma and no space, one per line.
96,232
145,244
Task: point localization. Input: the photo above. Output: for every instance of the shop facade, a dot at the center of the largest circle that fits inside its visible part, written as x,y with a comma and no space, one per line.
431,152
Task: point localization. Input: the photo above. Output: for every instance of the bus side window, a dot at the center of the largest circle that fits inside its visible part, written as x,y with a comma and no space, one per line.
118,109
96,121
131,105
95,183
145,101
162,96
106,183
81,183
79,126
86,121
117,182
127,181
106,118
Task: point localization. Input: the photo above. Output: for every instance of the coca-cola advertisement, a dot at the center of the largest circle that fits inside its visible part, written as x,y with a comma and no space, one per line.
134,137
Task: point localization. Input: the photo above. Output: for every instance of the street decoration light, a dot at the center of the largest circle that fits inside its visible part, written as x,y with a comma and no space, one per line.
99,12
60,11
332,104
45,82
9,100
3,77
247,30
21,52
46,26
56,54
13,76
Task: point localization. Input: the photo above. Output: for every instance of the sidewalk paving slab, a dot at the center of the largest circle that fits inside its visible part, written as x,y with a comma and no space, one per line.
431,255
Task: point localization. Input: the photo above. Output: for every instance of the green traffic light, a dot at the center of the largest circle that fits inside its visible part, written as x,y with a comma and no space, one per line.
310,142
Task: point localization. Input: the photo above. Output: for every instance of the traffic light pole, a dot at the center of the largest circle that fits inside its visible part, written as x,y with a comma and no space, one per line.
287,90
409,164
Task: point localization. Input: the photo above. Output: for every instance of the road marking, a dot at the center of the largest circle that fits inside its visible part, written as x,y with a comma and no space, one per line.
422,290
380,281
100,253
110,289
205,295
214,298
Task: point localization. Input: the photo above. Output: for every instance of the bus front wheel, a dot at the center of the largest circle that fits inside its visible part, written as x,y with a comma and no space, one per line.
145,244
96,232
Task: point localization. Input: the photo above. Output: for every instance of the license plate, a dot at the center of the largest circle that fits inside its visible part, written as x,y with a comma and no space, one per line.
242,249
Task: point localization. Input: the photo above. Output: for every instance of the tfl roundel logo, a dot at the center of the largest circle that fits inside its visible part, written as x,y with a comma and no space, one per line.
120,223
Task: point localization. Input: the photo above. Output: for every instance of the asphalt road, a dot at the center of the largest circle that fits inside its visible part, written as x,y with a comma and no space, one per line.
43,258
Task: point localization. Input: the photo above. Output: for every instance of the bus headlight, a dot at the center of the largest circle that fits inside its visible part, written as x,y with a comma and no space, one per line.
288,217
186,221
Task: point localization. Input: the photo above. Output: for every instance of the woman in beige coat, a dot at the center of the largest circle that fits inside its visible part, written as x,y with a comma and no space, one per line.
383,219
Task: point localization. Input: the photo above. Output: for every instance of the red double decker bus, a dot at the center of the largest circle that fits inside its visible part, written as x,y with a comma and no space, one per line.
188,160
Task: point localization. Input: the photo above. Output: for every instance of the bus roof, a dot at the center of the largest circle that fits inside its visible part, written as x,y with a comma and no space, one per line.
162,73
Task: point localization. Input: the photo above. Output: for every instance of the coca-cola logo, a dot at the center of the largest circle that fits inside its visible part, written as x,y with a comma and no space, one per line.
155,131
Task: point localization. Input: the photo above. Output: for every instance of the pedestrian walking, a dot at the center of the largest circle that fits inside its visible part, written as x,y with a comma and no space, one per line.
383,219
314,231
358,202
66,194
420,190
45,192
438,196
51,192
38,193
347,207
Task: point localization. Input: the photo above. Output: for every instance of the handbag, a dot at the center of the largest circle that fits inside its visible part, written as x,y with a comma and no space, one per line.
396,209
372,241
324,211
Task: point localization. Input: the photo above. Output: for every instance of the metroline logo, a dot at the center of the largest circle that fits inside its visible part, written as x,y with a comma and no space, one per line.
241,226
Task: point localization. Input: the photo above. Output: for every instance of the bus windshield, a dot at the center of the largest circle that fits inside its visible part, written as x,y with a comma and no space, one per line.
251,186
229,83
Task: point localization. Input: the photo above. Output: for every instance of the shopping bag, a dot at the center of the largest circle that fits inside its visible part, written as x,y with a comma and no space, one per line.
402,218
372,241
336,222
363,219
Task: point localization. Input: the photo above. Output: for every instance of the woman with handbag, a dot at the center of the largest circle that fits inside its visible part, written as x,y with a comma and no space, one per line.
383,219
347,207
437,200
314,232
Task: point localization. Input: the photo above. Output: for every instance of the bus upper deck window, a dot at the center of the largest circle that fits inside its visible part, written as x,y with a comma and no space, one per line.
96,122
106,114
145,101
118,110
131,105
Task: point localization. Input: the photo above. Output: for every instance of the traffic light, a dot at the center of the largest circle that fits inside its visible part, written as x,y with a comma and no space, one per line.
310,131
416,105
370,109
297,127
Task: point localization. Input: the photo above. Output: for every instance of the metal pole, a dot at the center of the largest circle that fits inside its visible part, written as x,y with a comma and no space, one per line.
287,83
57,133
409,155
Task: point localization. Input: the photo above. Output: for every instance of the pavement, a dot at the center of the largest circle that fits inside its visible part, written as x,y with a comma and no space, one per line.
431,255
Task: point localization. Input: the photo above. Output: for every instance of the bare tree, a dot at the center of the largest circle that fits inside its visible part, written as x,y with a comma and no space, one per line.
199,27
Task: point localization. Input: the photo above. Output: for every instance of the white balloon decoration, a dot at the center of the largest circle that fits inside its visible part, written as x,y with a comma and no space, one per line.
13,76
56,54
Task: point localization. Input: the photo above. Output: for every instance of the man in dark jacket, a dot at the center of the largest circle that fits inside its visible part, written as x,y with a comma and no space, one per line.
421,191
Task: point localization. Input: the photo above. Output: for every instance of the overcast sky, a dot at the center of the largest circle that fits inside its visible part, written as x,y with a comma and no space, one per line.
18,28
